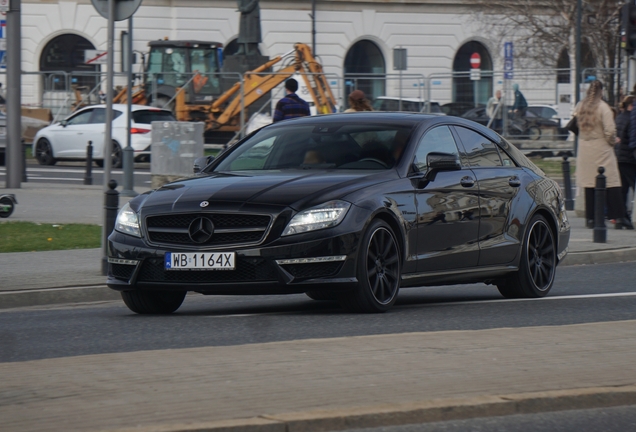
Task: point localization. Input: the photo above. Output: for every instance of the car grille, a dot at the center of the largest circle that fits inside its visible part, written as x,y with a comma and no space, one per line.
229,229
247,270
314,270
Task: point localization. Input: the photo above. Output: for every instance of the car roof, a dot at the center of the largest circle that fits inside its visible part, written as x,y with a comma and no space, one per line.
379,117
404,99
124,107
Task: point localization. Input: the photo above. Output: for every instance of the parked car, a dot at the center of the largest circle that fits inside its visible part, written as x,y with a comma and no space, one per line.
389,103
549,112
458,108
529,127
347,207
29,127
68,139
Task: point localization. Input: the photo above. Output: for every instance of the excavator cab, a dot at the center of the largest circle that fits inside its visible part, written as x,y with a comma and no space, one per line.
193,65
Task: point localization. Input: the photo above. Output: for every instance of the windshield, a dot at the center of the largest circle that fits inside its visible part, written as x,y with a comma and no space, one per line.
326,146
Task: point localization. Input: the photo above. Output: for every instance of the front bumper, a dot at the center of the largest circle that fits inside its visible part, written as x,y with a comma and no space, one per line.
326,263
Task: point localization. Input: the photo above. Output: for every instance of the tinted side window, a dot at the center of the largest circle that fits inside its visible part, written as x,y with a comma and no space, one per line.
148,116
99,115
439,139
481,152
81,118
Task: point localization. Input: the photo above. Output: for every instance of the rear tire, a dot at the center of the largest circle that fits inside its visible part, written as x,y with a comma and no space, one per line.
153,302
378,272
533,133
44,152
537,267
117,157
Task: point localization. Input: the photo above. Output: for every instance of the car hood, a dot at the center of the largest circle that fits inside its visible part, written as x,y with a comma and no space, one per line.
233,191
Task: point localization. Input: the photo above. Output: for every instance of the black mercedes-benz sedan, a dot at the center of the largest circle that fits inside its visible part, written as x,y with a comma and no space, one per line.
347,207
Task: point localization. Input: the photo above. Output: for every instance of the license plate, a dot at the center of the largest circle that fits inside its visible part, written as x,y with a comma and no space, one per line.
199,261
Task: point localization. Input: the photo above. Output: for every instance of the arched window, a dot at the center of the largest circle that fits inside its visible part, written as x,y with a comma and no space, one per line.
365,69
65,53
465,89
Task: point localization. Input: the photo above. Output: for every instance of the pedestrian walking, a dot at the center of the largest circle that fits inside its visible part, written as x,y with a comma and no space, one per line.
597,136
520,105
494,110
358,102
624,154
291,105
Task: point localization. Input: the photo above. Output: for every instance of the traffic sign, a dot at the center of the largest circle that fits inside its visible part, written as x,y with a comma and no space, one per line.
475,74
95,57
5,5
475,61
124,9
508,50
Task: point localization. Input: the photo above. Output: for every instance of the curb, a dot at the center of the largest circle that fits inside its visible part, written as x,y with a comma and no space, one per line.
414,413
51,296
600,256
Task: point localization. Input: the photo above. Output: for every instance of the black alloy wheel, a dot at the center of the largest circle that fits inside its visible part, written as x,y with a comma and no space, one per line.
44,152
378,271
117,157
537,267
153,302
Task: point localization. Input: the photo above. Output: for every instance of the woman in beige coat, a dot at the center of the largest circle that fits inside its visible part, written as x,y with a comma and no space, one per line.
597,136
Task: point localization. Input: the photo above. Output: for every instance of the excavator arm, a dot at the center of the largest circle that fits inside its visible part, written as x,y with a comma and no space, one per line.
222,114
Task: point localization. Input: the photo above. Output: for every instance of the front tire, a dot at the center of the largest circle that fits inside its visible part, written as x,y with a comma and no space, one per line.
378,272
44,152
153,302
537,267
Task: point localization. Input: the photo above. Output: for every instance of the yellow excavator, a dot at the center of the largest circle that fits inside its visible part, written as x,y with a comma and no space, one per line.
194,102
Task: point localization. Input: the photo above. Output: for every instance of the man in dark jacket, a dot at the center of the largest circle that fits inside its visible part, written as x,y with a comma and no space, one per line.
625,153
291,105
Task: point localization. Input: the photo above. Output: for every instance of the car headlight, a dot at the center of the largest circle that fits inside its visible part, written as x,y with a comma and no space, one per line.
326,215
127,221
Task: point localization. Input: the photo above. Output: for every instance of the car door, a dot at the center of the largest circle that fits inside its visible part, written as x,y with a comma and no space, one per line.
447,209
96,130
499,182
69,141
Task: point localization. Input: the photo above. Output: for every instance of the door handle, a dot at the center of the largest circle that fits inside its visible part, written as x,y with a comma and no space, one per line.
467,181
514,181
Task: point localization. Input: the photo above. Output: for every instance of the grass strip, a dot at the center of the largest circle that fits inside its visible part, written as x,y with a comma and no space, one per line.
31,237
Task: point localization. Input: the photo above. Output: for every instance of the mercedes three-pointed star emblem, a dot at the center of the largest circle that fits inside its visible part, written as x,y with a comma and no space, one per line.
201,230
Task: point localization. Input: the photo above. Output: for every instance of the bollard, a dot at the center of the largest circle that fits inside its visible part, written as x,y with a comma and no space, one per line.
88,175
111,205
600,231
25,178
567,184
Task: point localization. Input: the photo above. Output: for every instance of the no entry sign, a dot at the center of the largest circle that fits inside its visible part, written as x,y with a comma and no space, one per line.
475,61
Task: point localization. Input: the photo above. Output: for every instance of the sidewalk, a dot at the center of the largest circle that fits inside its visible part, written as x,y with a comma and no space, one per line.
39,278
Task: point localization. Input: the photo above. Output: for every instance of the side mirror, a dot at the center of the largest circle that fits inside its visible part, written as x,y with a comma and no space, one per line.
63,123
201,162
438,161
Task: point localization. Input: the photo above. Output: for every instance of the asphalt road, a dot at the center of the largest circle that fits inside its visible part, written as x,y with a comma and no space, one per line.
618,419
582,294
